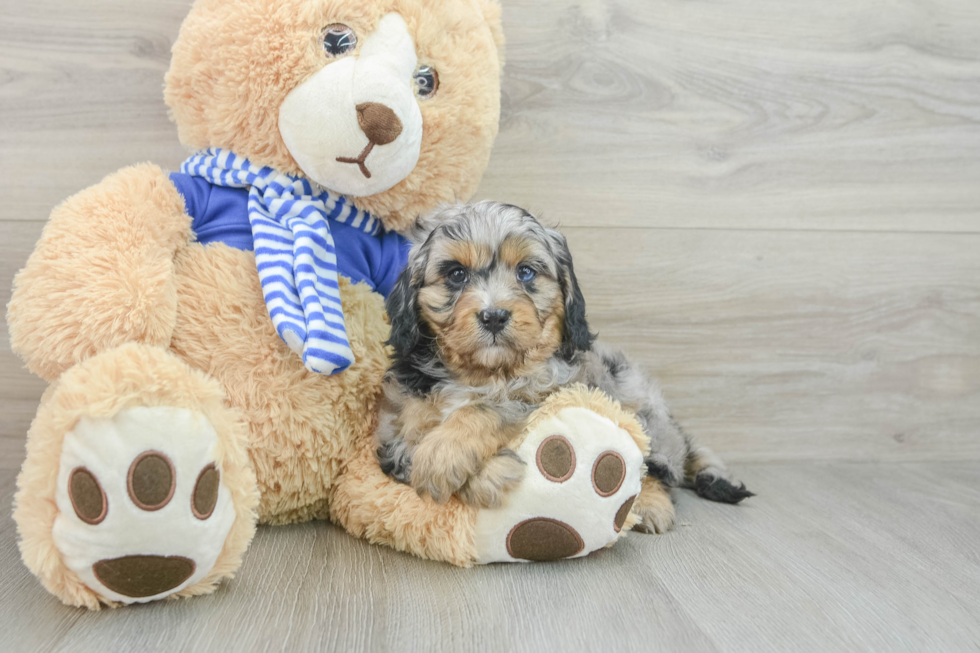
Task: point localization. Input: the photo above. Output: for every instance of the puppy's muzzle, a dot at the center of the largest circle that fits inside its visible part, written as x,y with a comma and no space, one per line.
494,320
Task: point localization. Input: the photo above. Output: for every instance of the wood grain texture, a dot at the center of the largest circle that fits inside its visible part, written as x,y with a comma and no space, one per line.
875,557
735,114
743,114
775,345
19,389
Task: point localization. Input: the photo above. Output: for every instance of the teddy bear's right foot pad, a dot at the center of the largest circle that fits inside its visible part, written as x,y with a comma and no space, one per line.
143,510
584,473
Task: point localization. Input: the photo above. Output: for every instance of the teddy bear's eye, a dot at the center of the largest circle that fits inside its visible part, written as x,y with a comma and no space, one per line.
426,82
338,40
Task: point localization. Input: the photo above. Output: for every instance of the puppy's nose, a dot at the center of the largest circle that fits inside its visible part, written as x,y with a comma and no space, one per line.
494,320
378,122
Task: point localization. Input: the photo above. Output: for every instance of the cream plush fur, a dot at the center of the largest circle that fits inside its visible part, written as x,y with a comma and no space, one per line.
118,307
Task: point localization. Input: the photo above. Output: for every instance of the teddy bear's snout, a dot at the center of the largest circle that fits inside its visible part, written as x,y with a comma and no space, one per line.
378,122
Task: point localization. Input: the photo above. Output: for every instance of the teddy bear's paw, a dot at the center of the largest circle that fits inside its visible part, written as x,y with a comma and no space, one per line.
583,475
143,510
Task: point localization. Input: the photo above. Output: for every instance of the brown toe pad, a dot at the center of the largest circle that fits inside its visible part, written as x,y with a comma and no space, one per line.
608,473
556,459
205,495
140,576
87,496
151,480
542,539
623,513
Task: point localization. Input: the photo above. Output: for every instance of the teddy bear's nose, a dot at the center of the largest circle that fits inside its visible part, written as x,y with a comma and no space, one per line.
378,122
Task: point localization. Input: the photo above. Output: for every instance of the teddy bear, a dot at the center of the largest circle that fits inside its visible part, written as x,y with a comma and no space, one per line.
214,337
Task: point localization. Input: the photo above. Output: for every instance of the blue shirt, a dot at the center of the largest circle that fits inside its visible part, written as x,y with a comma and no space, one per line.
220,215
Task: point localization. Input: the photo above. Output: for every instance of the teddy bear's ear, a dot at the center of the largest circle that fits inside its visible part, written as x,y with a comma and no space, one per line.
491,13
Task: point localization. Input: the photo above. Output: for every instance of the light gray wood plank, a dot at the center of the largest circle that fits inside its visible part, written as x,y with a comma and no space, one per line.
827,557
19,389
837,557
743,114
799,345
29,619
81,95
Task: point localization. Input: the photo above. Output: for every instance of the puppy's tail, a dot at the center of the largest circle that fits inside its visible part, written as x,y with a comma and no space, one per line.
706,474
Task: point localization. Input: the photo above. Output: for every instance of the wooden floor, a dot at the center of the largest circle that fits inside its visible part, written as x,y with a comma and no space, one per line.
830,557
773,204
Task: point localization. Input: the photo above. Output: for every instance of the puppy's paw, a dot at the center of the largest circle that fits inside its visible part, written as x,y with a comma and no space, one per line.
490,486
654,508
440,469
717,487
395,458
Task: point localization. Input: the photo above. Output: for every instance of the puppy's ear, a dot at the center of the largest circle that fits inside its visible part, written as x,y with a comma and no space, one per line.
427,223
402,304
421,229
575,333
403,314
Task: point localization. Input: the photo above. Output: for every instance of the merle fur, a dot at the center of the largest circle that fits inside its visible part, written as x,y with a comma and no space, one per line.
676,458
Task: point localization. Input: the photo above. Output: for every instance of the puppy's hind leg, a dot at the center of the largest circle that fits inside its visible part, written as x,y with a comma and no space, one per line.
706,474
654,508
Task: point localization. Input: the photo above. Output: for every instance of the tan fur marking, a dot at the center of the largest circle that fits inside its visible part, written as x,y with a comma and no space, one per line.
515,250
417,417
474,256
436,307
654,508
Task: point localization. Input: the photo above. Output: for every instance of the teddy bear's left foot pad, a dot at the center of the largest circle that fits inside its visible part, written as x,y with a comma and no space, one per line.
143,511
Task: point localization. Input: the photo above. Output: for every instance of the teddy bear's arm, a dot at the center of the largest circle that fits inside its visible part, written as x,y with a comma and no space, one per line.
102,272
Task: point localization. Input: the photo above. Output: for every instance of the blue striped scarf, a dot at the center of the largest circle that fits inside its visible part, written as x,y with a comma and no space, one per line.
294,253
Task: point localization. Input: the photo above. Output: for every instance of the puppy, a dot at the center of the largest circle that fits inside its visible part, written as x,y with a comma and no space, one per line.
487,321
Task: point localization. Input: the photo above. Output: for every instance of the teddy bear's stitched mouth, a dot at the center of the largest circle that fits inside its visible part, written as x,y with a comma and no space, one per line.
359,160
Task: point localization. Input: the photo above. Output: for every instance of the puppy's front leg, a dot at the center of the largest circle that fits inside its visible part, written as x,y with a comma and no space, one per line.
457,451
500,475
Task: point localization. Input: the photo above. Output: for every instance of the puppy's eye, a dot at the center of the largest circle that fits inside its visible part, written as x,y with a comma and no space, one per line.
458,276
525,273
426,82
338,40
